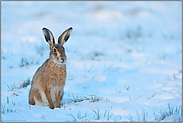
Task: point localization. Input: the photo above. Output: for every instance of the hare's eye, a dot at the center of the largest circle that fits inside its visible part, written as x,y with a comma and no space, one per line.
54,50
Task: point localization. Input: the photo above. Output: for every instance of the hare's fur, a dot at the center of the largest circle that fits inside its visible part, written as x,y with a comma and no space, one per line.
47,87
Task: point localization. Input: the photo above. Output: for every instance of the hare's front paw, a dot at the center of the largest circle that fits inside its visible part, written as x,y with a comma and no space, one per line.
58,106
51,106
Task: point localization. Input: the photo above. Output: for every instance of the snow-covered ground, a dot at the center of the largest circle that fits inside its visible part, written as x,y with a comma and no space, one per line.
124,60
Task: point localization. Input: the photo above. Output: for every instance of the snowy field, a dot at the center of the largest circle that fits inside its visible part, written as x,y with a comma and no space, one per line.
124,60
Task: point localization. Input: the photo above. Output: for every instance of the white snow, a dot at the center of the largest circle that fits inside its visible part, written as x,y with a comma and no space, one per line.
124,59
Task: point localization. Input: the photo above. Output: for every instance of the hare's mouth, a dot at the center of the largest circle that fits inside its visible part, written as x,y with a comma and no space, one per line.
59,61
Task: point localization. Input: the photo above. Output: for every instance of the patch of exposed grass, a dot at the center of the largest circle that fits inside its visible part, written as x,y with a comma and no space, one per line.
19,85
5,109
25,62
163,113
25,83
92,98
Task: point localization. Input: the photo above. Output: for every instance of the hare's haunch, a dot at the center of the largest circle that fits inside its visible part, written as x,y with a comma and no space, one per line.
47,87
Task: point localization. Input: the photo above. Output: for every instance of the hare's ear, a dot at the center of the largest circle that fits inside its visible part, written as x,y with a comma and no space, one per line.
49,37
64,36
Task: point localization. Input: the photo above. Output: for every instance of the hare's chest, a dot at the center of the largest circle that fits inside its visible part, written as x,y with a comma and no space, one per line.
56,76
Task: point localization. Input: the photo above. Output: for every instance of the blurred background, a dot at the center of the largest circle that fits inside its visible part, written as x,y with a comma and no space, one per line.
97,25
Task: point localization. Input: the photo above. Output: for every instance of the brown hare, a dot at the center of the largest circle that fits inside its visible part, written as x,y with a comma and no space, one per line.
47,87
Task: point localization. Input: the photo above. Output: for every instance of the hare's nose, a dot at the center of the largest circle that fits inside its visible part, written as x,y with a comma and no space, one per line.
62,59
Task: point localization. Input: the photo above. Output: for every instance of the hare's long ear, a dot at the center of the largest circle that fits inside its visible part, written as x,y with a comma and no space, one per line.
49,37
64,36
